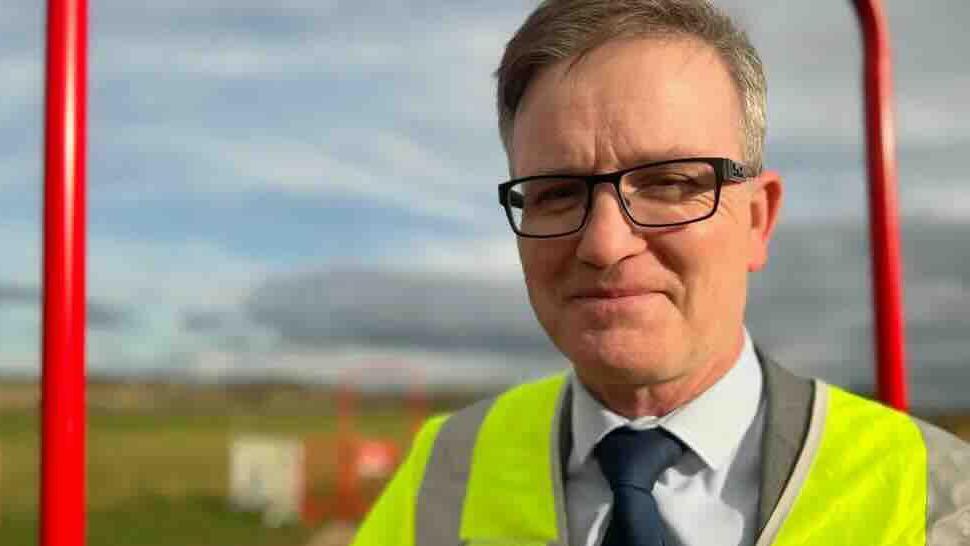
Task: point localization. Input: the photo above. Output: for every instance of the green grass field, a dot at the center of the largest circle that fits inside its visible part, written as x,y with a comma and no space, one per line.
157,478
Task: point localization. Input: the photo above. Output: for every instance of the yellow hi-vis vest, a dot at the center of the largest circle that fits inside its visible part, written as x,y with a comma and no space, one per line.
858,475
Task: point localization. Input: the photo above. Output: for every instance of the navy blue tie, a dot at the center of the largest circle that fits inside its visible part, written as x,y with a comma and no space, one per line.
632,460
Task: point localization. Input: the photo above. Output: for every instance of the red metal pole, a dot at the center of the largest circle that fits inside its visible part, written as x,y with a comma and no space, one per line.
883,205
63,407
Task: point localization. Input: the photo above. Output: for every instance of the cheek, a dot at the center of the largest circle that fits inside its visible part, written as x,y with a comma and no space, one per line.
544,265
542,260
713,269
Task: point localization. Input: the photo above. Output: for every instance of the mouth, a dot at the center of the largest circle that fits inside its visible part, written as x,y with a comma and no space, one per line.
605,294
606,303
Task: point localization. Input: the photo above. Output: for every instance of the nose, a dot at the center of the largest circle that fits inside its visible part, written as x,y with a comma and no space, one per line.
609,236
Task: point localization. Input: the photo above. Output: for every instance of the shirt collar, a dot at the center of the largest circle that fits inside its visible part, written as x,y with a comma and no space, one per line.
711,425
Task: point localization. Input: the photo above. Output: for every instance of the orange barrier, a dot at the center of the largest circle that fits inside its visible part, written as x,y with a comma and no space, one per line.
362,463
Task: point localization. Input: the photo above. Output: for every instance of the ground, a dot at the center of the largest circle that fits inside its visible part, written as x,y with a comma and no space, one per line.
158,459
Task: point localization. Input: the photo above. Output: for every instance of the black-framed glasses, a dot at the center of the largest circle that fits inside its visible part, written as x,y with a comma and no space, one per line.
659,194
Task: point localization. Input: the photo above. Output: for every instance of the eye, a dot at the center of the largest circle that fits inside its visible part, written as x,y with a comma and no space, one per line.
651,179
559,191
669,183
553,193
670,179
667,186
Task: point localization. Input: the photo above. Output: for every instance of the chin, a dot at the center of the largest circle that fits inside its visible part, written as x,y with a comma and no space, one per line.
617,359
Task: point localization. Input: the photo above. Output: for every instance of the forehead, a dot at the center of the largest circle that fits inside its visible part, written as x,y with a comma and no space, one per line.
625,102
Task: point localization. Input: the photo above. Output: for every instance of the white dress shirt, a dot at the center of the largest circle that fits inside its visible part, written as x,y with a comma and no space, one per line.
711,495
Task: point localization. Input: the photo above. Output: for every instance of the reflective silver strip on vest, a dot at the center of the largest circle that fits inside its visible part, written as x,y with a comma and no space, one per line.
442,493
947,487
561,441
802,465
441,496
788,417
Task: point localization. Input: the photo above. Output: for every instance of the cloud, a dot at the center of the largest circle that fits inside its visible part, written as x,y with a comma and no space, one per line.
238,41
20,120
386,309
108,317
21,74
943,200
100,315
381,168
204,321
164,76
136,289
137,272
485,258
17,294
812,307
391,169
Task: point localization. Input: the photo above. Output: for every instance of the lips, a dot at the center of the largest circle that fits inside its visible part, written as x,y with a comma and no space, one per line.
611,292
605,308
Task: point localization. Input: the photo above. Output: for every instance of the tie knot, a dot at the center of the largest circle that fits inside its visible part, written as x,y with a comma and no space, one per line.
636,458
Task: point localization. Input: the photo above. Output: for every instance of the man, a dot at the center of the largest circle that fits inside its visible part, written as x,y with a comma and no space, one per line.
634,131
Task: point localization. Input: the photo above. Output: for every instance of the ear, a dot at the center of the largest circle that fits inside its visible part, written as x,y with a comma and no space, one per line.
766,201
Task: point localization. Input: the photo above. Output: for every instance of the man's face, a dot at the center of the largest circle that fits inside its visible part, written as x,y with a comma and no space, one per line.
631,306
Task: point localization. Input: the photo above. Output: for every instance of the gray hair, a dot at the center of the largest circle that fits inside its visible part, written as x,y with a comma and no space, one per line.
564,29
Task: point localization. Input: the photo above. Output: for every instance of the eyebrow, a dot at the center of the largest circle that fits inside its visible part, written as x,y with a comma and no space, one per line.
642,158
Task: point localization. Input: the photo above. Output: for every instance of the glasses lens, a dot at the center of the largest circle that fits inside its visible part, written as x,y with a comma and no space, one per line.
671,193
548,206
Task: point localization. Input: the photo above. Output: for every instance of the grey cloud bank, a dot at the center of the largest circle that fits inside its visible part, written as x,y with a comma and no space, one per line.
11,294
810,309
405,310
100,315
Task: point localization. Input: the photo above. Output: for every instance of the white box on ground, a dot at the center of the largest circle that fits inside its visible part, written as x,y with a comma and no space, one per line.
266,474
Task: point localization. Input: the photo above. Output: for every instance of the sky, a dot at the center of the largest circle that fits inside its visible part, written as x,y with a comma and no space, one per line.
306,189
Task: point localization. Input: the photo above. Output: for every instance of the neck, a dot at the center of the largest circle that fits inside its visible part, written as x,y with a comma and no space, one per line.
659,399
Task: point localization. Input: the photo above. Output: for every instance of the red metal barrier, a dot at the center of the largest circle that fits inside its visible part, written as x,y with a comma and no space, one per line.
62,452
887,273
363,463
